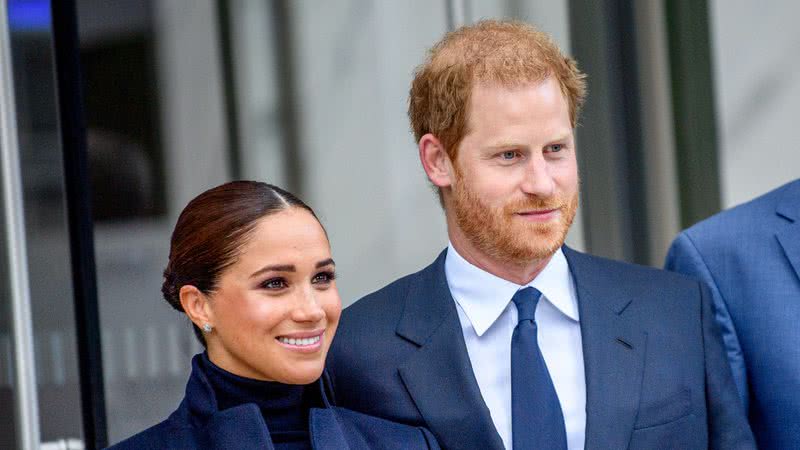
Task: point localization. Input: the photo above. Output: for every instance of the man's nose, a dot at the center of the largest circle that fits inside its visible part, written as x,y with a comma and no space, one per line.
538,181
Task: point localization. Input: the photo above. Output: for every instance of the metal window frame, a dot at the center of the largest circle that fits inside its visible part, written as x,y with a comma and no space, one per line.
27,403
79,217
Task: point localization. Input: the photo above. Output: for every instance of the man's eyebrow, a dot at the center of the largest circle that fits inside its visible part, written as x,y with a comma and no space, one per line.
274,268
562,137
325,262
505,144
500,145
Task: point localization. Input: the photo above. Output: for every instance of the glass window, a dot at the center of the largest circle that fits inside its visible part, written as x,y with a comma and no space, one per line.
757,96
46,232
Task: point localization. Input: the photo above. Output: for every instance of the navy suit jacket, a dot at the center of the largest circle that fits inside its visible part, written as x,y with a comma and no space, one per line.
750,258
656,374
198,424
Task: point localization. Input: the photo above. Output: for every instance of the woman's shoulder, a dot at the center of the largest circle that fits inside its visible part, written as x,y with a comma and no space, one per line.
170,434
360,430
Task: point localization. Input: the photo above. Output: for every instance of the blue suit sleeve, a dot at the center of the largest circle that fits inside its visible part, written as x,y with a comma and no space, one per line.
430,440
684,257
727,423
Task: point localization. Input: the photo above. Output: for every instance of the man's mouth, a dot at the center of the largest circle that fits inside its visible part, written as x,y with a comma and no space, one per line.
539,214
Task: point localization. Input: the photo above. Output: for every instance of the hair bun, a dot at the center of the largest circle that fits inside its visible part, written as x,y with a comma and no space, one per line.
171,290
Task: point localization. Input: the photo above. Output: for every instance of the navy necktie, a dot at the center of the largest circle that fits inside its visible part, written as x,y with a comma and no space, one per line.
536,418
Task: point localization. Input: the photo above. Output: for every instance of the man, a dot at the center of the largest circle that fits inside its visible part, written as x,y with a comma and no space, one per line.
510,339
750,258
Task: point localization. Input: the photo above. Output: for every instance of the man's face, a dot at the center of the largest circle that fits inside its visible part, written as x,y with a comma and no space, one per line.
515,184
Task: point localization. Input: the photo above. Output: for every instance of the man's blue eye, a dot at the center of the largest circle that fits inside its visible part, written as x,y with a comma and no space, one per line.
556,147
509,155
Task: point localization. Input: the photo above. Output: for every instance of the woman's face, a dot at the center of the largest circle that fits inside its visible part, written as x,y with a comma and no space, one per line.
275,310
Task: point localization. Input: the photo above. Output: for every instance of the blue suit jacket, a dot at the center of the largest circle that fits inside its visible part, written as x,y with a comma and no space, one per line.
656,374
198,424
750,258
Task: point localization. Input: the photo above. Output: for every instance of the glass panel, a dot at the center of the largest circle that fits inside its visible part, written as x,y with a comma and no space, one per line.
148,73
757,96
47,235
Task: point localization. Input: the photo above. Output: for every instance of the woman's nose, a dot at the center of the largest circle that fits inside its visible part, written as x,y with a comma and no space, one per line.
308,308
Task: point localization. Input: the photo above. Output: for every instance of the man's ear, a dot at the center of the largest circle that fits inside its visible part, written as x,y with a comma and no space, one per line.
435,161
196,305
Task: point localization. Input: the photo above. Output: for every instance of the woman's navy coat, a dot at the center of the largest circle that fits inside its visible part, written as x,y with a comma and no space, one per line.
198,424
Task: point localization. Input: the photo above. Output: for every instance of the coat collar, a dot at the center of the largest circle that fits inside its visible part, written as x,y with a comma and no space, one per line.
483,296
242,426
789,202
439,375
613,349
215,426
789,208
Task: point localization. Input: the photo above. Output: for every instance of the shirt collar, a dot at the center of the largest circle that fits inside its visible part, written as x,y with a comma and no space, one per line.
483,296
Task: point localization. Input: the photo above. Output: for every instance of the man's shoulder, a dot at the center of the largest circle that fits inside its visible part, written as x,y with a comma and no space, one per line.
744,219
167,434
620,273
388,301
656,299
377,302
376,314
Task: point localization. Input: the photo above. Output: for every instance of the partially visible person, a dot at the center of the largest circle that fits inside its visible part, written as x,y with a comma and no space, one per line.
251,267
750,258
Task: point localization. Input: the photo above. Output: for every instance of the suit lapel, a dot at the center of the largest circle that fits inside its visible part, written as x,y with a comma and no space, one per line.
613,350
326,430
789,237
439,375
238,427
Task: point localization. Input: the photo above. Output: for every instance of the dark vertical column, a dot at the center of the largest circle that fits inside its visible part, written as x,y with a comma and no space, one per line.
79,217
693,106
284,53
230,92
609,134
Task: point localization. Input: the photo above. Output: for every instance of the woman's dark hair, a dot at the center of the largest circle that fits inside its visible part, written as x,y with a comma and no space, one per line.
212,229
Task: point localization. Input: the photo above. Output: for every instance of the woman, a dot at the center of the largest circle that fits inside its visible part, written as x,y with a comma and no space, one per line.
251,267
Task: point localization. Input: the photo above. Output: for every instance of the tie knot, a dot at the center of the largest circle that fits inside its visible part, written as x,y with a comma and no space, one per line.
526,301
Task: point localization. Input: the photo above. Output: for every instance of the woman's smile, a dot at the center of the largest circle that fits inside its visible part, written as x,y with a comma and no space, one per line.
304,341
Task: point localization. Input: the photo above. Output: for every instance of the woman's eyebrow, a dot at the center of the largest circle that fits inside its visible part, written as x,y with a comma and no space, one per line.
326,262
274,268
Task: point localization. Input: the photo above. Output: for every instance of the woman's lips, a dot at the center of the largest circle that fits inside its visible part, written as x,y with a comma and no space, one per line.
302,341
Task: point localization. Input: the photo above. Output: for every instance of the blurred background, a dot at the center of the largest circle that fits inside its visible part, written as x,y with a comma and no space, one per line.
691,110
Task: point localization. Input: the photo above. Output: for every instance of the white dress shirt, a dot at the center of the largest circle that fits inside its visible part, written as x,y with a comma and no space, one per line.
488,318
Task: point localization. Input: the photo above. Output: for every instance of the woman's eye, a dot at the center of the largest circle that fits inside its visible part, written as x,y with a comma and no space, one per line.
323,277
274,283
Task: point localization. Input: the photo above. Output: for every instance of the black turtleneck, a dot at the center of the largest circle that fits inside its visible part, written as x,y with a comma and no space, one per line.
285,407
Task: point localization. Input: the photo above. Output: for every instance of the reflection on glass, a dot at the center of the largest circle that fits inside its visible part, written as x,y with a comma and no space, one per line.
145,343
47,238
7,424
